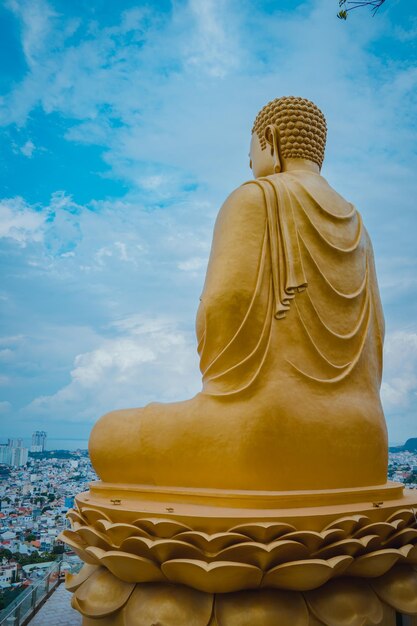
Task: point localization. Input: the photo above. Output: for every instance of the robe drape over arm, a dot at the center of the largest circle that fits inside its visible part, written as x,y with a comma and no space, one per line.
298,279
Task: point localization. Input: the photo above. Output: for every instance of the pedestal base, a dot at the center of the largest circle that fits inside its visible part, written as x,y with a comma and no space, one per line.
345,602
172,557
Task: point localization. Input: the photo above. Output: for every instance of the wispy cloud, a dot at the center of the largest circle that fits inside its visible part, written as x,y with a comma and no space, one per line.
399,389
20,222
148,358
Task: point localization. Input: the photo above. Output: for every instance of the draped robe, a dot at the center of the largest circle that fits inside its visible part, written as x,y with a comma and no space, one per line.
315,300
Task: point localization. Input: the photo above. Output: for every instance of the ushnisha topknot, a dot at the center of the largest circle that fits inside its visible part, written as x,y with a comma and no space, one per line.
301,125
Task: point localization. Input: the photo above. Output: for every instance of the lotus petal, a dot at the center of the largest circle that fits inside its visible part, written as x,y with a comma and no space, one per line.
398,588
75,516
348,523
381,529
68,536
331,535
402,537
141,546
77,546
211,543
262,607
398,524
131,568
406,550
298,575
117,533
373,564
93,537
101,594
264,556
370,542
95,553
346,546
160,527
218,577
309,538
411,555
93,515
345,602
168,605
104,526
340,564
73,581
264,532
168,549
407,515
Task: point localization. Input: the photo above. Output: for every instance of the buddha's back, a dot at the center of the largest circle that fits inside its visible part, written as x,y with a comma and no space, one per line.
290,333
291,325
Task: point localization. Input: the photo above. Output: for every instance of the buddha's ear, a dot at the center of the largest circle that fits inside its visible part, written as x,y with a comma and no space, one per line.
272,139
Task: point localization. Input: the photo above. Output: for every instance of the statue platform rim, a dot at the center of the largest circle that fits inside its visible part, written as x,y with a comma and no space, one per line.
215,510
230,498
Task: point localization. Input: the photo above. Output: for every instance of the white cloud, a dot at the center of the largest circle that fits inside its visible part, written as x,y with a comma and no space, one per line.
54,225
117,356
192,265
399,386
20,222
28,149
6,354
149,359
5,406
212,46
11,340
37,19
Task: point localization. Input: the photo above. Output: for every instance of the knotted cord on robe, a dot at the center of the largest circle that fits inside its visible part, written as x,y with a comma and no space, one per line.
306,247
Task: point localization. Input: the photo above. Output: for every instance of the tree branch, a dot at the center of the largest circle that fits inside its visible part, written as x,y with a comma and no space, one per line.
350,5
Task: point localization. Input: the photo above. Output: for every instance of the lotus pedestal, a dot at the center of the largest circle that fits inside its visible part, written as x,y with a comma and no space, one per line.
189,557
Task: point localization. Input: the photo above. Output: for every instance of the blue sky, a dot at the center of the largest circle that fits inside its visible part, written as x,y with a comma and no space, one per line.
124,125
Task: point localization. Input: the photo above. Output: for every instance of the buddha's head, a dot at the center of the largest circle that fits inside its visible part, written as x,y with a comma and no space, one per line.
287,132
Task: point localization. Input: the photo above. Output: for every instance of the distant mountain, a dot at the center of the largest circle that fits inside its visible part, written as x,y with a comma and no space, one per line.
409,446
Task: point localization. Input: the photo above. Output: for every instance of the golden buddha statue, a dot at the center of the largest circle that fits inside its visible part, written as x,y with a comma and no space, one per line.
263,500
289,332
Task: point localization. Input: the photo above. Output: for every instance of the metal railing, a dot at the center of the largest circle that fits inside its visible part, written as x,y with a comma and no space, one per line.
26,604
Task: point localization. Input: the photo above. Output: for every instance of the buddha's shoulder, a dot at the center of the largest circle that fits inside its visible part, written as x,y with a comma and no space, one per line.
249,192
243,208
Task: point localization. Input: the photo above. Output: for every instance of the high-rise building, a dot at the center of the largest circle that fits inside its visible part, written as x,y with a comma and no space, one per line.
13,453
15,443
5,454
38,441
19,456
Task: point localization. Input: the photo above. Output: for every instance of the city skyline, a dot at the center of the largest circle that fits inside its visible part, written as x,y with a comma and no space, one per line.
124,127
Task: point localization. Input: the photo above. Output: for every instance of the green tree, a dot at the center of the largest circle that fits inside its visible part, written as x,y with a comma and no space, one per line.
346,6
6,554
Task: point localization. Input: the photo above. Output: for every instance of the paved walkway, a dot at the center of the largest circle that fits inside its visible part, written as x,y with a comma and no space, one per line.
57,611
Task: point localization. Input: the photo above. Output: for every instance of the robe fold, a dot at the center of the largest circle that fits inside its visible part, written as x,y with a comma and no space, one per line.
314,311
